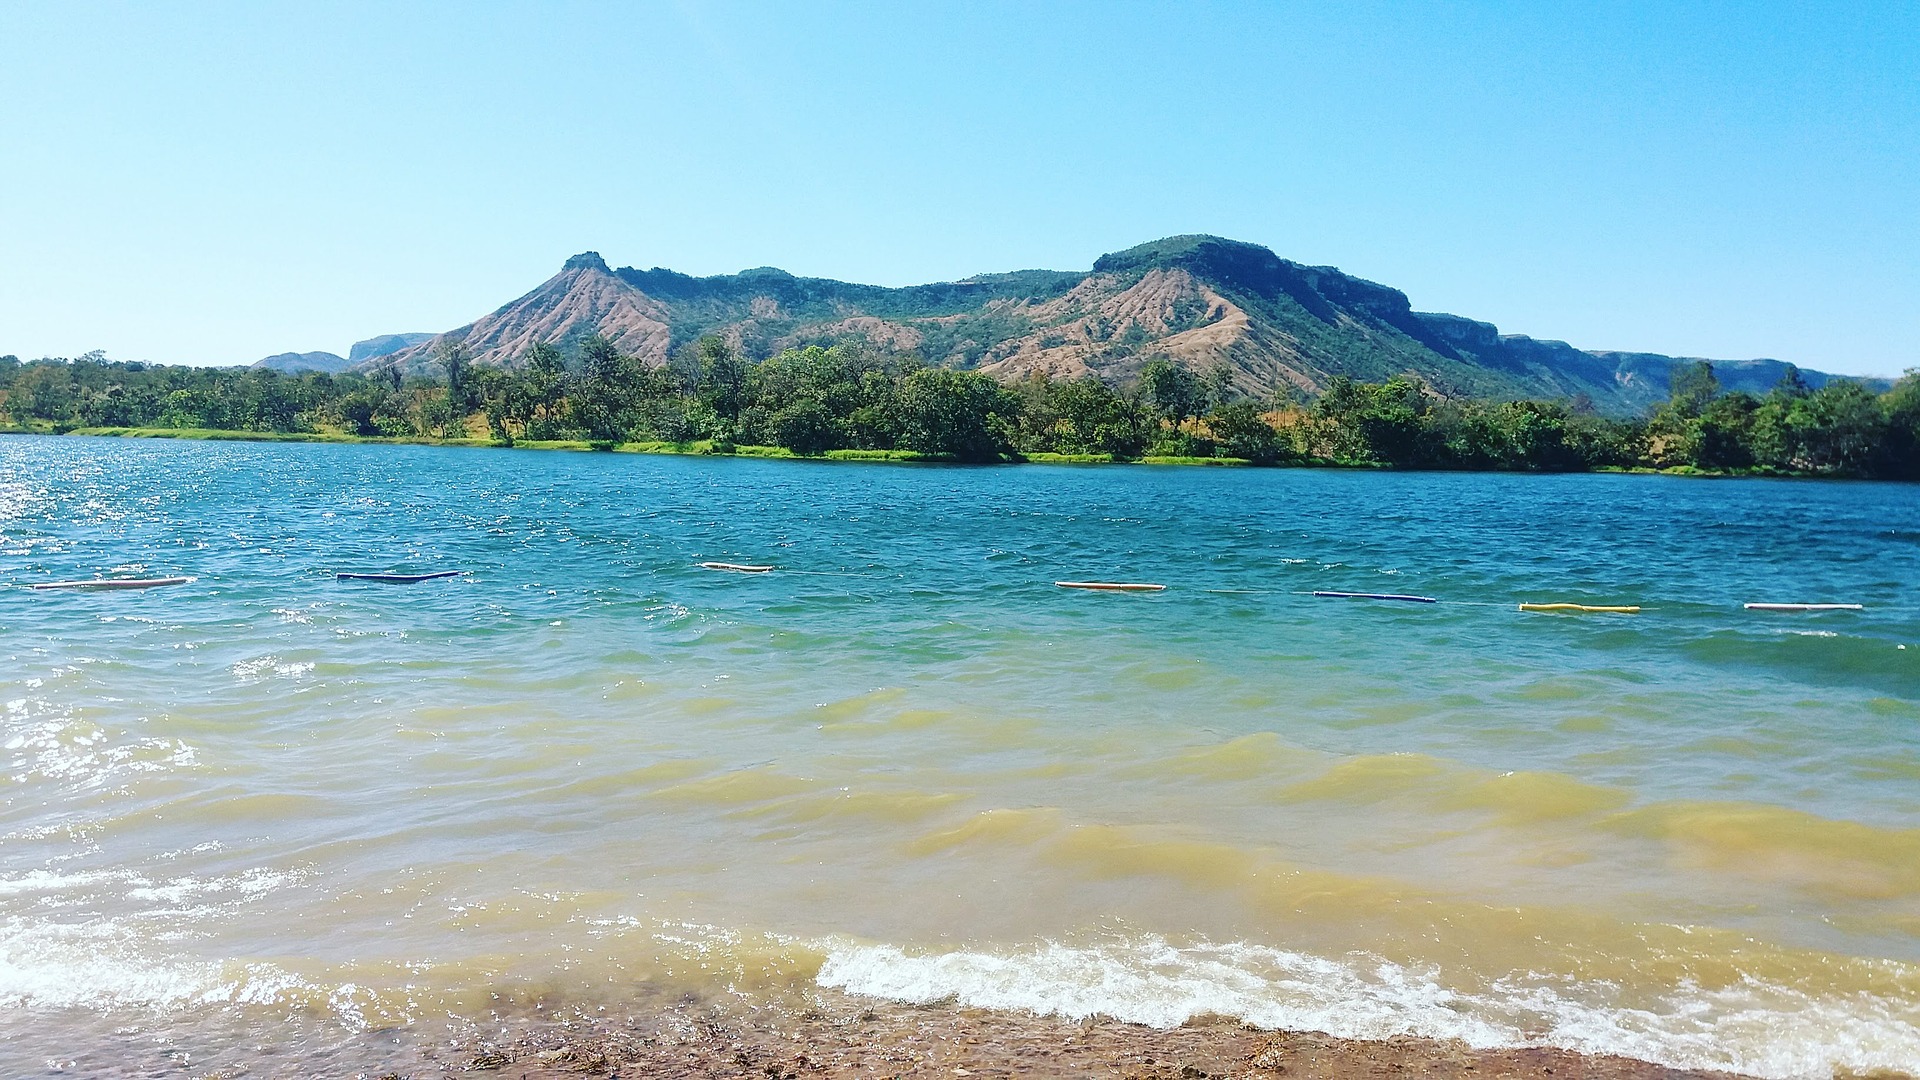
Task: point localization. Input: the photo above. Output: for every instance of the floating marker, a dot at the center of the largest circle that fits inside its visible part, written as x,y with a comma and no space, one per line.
1377,596
1805,607
115,583
398,579
735,567
1579,607
1111,586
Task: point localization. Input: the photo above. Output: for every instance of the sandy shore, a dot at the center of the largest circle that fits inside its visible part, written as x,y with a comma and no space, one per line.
837,1035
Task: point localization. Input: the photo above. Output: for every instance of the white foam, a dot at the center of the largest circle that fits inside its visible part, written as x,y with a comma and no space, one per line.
61,953
45,881
87,888
94,966
247,884
1754,1028
261,668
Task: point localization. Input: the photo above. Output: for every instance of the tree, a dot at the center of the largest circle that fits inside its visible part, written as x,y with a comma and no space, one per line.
599,360
723,376
1674,431
606,389
806,428
534,396
1537,436
1218,390
1840,428
1175,391
954,412
1240,431
1086,416
457,362
1902,405
1692,386
1376,421
544,362
1723,433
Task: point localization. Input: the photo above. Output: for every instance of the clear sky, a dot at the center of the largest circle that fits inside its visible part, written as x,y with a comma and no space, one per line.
209,184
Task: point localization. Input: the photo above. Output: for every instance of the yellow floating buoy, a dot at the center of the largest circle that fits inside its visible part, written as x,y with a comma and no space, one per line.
1111,586
735,567
1579,607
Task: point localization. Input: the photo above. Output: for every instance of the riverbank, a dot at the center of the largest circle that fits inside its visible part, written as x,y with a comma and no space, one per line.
709,448
693,447
836,1035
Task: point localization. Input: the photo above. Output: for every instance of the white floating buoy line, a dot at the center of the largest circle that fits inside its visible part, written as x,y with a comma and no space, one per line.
1805,607
1557,606
1375,596
114,583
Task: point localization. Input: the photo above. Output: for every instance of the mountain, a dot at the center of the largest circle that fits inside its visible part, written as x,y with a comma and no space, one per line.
1202,301
385,345
304,361
363,352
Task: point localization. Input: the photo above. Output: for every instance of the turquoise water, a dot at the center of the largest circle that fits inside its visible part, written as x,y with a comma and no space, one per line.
905,764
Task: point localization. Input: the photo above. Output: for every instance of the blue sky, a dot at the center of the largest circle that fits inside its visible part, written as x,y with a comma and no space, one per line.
208,184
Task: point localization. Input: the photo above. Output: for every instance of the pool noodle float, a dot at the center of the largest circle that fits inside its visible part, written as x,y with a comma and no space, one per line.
398,579
115,583
1111,586
1377,596
1805,607
1580,607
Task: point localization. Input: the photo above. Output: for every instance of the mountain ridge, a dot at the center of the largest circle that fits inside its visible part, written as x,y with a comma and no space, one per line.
372,348
291,362
1201,301
384,345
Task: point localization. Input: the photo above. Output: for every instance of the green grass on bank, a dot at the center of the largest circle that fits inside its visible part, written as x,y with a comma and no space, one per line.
1068,459
706,447
1155,459
702,447
216,435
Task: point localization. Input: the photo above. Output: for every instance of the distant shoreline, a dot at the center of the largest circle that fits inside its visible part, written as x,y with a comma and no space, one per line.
704,448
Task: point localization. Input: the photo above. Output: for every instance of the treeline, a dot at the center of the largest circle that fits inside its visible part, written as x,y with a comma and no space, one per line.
849,397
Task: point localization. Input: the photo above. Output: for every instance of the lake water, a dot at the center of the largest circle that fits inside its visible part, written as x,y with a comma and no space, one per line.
268,812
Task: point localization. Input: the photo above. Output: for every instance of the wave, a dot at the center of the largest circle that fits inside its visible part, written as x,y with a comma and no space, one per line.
1758,1028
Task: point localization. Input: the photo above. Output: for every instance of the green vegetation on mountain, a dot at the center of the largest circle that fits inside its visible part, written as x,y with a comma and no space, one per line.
1200,303
857,400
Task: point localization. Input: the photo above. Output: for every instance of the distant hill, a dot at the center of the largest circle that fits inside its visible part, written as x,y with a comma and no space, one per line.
1202,301
304,361
363,351
385,345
